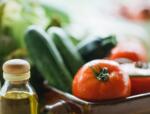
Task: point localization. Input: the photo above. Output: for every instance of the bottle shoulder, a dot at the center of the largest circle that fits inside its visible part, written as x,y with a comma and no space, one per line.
20,88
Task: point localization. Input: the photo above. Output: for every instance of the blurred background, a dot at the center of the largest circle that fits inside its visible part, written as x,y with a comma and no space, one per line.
127,19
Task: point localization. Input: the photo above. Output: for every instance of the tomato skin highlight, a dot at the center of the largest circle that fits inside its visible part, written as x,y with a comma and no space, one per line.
132,50
86,86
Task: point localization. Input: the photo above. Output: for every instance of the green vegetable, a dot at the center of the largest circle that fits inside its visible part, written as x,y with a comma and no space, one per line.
68,51
46,57
96,48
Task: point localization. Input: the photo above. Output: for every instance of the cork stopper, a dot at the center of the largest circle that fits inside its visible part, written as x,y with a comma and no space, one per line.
16,69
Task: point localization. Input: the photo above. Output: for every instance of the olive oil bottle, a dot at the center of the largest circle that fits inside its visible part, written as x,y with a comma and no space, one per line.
16,95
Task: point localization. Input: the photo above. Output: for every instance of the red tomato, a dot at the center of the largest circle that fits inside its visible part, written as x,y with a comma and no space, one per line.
131,50
140,77
101,80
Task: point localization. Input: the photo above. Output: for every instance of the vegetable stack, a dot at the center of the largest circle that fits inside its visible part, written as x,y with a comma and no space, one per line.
45,55
57,58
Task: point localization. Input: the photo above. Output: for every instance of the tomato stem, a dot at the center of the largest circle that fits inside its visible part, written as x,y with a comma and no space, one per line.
103,75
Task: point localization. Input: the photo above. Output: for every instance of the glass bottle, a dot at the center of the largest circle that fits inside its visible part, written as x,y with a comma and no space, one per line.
16,95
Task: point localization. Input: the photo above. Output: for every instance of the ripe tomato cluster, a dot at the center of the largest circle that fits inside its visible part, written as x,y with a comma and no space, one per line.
120,76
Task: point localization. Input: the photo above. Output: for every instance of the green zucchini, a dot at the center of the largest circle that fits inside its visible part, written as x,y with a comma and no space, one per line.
46,57
68,51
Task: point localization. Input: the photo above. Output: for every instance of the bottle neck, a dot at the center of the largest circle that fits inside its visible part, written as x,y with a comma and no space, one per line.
15,85
24,82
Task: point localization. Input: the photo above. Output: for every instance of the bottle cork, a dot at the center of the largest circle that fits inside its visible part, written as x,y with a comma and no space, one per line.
16,69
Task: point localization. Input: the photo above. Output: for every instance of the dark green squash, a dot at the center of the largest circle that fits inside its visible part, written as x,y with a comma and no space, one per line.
46,57
67,49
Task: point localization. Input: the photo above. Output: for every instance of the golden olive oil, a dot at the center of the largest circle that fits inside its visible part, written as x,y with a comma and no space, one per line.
17,102
17,95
